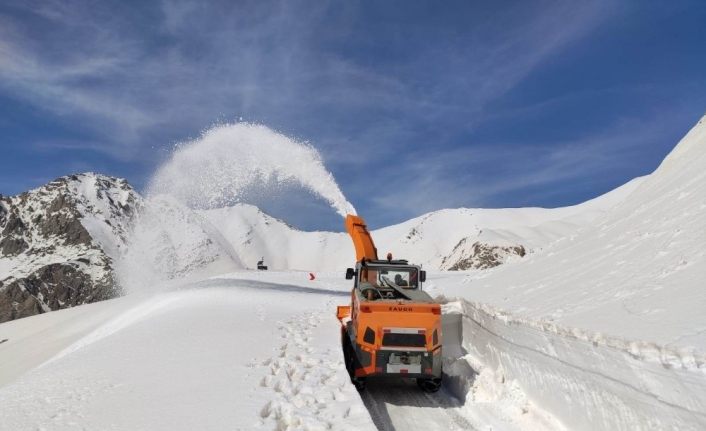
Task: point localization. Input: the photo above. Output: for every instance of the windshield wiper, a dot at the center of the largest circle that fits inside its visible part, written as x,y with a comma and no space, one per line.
394,286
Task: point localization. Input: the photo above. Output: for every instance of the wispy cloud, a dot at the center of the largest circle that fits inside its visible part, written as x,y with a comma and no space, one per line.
252,59
71,79
483,175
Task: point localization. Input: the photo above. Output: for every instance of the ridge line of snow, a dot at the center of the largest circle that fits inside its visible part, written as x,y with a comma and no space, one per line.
123,320
605,200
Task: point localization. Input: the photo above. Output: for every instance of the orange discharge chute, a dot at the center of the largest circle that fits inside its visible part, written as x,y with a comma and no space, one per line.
363,242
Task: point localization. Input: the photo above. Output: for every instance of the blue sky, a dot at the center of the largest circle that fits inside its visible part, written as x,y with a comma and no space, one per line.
414,106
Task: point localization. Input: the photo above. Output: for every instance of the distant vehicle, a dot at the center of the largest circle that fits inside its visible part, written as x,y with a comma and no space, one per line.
261,265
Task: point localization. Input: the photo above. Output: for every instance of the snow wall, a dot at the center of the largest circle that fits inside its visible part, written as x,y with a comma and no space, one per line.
585,379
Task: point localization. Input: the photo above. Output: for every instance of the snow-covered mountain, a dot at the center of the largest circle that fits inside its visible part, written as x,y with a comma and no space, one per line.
58,243
449,239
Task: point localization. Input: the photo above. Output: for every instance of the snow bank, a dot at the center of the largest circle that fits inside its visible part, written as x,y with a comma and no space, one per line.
587,380
34,340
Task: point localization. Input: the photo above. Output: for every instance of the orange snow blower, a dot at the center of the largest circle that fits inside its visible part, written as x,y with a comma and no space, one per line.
392,327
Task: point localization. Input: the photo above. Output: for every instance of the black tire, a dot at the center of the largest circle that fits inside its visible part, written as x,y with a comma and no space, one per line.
351,361
359,383
347,352
429,385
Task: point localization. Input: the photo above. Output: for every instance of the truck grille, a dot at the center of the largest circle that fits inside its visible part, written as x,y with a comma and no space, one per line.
403,340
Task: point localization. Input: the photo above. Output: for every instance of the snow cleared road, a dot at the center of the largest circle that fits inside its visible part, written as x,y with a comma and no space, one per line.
400,405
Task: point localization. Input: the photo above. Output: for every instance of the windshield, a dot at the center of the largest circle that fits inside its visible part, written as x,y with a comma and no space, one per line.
389,276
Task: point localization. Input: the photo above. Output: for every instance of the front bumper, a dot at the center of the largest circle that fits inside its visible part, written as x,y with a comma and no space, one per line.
400,362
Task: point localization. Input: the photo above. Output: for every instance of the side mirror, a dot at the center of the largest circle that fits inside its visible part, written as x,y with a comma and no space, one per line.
350,273
422,276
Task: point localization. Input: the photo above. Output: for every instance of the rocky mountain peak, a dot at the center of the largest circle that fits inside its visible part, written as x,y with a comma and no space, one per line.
58,243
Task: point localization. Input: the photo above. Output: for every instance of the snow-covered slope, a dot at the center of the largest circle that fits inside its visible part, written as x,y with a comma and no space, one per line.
446,239
606,327
58,243
223,354
643,264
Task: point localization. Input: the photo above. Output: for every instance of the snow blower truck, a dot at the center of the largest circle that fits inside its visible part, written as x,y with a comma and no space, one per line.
392,328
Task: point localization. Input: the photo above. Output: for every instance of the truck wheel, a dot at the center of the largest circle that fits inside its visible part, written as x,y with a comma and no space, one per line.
351,361
348,354
359,383
429,385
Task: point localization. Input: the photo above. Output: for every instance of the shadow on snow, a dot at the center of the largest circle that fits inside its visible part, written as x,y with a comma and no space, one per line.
262,285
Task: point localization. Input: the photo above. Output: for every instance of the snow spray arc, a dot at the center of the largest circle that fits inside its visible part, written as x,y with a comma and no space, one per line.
214,170
172,241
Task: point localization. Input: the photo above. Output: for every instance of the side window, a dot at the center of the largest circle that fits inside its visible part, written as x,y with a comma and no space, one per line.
368,275
413,279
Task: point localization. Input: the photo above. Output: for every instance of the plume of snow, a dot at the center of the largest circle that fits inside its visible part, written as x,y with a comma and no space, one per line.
214,170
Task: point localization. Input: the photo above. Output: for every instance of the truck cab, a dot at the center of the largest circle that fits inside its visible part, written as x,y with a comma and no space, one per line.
388,279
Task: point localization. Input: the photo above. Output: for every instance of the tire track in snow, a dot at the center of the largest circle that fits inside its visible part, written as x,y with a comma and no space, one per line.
400,404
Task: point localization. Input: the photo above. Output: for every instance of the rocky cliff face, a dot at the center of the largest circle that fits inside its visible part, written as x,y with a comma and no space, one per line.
479,255
58,243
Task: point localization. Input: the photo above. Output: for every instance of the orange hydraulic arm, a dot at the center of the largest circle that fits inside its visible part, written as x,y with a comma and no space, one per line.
363,242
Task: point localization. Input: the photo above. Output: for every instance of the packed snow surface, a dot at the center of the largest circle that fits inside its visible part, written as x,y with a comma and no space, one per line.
220,354
240,351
